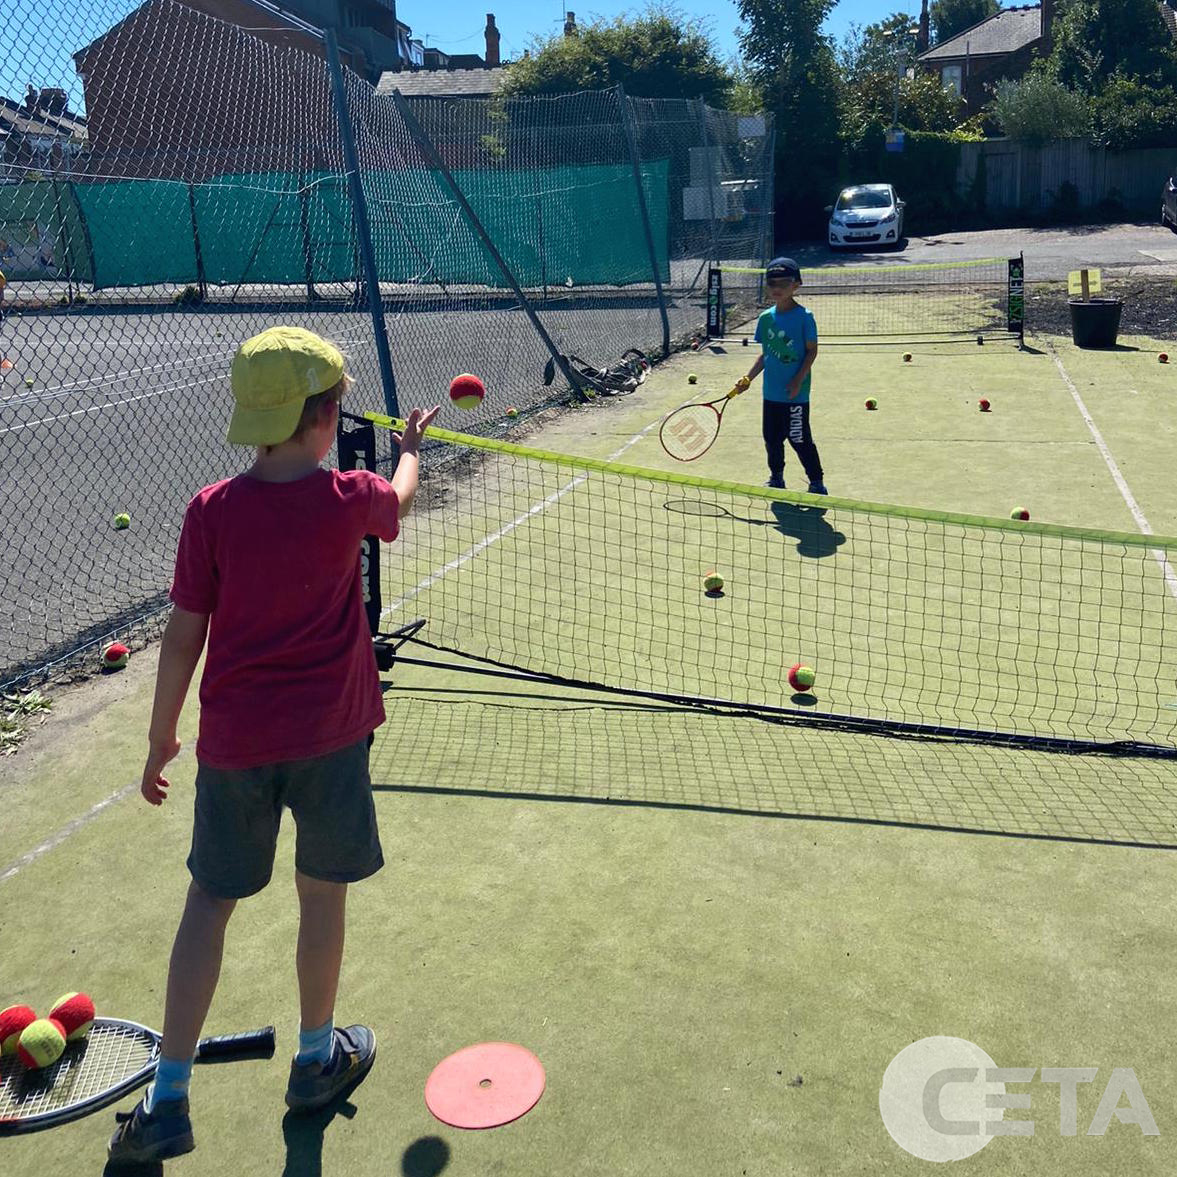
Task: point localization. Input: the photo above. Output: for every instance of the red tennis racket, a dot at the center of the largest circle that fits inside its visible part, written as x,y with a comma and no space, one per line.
688,433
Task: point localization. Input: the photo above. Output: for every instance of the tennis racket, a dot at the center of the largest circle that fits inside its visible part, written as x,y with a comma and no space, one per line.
114,1058
688,433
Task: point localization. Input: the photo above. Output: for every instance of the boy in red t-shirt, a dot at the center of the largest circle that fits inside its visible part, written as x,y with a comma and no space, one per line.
268,569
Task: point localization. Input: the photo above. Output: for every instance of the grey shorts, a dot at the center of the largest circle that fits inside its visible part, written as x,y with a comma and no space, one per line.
238,812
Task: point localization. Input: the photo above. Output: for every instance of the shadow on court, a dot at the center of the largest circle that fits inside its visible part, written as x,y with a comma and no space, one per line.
815,535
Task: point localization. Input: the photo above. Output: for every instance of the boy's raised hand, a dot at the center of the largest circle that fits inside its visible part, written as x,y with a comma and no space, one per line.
409,439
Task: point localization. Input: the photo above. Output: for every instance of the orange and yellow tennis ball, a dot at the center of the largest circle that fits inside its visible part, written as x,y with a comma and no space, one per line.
42,1043
13,1020
115,656
1019,513
871,403
1163,358
75,1012
801,677
512,412
983,404
467,391
712,581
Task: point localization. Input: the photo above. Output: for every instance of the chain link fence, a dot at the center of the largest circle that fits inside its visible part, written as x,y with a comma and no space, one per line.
171,183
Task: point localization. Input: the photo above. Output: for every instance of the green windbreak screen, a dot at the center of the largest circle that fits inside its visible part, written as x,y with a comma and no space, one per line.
41,233
550,224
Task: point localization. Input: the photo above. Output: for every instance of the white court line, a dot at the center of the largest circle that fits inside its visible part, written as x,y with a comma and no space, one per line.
506,529
1121,483
107,405
66,831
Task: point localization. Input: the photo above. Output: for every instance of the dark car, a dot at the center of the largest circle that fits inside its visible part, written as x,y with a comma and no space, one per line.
1169,203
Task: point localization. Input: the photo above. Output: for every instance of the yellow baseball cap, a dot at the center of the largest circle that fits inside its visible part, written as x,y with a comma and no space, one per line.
272,375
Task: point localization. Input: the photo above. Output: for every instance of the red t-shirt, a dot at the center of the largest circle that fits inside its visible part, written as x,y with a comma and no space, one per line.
290,672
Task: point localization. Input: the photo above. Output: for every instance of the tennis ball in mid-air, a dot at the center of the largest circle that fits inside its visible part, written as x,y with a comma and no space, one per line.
1019,513
984,405
871,403
712,581
122,521
692,378
13,1020
512,411
1163,357
907,357
115,656
801,677
75,1012
467,391
42,1043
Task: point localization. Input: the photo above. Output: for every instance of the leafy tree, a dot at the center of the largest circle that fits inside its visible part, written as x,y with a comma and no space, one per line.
1096,40
1038,107
949,17
659,54
793,65
1131,113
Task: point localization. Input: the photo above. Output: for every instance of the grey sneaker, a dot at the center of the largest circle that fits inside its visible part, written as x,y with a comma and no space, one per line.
313,1085
143,1137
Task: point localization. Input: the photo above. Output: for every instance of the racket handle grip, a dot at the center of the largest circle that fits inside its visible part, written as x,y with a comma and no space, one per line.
258,1042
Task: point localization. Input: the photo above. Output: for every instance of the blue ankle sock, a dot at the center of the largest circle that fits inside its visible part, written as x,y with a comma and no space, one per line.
314,1046
172,1077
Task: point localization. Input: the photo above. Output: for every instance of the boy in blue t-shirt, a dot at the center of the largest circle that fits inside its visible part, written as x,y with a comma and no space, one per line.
788,336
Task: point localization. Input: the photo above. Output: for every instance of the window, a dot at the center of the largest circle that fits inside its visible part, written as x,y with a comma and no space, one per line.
950,77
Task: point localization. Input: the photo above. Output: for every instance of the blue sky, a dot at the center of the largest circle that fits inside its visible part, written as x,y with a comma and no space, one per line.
36,43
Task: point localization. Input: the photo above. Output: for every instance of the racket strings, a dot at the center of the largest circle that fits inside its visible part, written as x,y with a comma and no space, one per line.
689,431
104,1058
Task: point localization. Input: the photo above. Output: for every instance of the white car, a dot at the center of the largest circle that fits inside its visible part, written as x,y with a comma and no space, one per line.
867,214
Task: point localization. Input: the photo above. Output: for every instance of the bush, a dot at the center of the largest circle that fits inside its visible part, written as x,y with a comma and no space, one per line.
1132,113
1037,109
189,296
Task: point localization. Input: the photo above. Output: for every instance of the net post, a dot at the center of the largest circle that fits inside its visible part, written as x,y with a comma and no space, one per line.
363,229
716,324
631,141
357,451
1016,298
433,158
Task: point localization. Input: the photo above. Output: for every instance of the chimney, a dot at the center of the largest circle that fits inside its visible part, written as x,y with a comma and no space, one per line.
570,25
922,38
1047,22
492,42
53,100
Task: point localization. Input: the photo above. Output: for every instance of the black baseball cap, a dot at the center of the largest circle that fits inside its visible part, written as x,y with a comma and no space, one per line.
782,269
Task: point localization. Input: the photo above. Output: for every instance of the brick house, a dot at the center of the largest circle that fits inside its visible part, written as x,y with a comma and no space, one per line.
1001,46
41,134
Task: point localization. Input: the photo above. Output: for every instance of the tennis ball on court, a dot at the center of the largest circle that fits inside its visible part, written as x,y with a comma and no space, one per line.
1163,357
801,677
467,391
984,405
122,521
13,1020
42,1043
907,357
692,378
115,656
871,403
712,581
512,412
1019,513
75,1012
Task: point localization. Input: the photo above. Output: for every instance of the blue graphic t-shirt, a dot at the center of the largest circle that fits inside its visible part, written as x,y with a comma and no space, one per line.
783,337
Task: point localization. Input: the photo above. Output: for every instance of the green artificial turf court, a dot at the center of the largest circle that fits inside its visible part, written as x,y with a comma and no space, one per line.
715,931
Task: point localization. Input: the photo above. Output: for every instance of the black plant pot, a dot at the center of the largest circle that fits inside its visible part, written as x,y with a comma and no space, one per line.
1095,323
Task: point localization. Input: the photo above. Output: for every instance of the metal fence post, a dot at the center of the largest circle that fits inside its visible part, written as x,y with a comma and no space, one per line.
712,250
631,140
200,283
363,229
767,212
433,157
